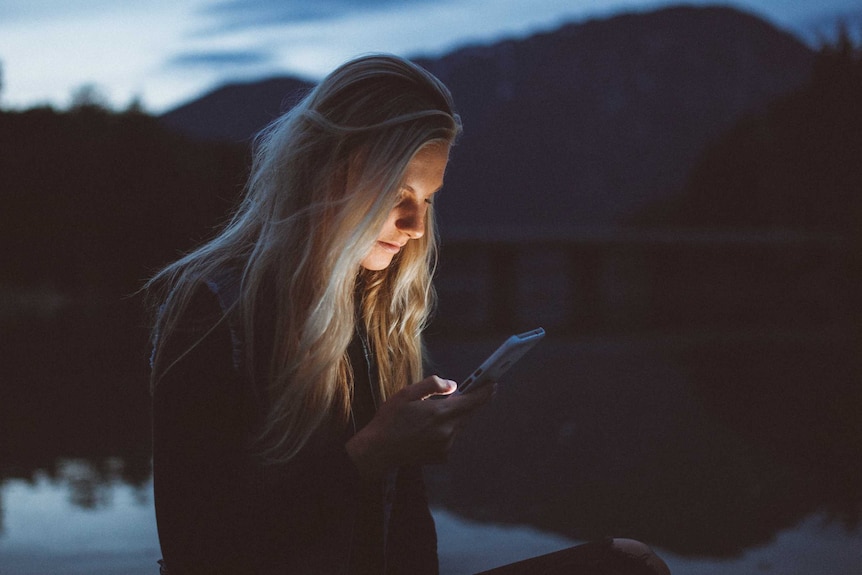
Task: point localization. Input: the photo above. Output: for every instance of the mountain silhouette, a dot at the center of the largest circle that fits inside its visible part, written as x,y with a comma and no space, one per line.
581,126
794,166
234,113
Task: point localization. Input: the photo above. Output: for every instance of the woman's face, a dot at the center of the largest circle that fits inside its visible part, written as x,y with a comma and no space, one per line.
422,179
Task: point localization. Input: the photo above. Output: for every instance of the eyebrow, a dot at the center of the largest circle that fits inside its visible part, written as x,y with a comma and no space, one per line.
409,187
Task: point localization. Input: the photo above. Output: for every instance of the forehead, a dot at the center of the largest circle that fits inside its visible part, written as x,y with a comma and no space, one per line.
428,166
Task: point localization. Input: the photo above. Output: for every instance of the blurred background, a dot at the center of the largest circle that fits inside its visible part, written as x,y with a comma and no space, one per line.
673,192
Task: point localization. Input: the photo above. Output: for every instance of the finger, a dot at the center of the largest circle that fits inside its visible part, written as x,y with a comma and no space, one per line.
474,400
466,402
429,386
485,392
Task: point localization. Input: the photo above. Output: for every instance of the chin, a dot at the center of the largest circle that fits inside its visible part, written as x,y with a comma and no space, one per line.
373,264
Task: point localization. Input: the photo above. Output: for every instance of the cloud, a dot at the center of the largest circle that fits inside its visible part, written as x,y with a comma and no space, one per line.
27,11
23,10
220,59
238,14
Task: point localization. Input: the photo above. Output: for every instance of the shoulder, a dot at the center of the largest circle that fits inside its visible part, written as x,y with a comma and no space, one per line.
199,315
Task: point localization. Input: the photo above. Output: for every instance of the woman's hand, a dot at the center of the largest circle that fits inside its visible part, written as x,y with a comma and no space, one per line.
408,429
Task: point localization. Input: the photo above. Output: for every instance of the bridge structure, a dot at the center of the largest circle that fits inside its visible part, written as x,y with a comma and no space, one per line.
600,280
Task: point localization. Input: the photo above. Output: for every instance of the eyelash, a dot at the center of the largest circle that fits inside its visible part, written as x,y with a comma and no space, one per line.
429,201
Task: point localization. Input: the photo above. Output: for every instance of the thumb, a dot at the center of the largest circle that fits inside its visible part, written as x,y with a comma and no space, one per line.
429,386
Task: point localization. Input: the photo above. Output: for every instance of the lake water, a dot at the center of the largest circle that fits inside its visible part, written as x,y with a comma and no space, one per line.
727,453
46,532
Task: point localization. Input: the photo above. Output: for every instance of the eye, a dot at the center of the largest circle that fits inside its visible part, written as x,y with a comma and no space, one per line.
399,199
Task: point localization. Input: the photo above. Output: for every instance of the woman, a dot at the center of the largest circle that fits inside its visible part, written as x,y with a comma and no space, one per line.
286,438
289,421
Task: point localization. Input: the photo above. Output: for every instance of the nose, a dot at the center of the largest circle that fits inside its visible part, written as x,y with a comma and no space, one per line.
411,219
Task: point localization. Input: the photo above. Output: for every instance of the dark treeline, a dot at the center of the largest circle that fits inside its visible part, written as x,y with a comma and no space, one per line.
94,200
794,166
795,169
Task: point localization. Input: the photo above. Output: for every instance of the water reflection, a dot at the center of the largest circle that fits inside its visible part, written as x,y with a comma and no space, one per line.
706,446
49,533
92,484
703,445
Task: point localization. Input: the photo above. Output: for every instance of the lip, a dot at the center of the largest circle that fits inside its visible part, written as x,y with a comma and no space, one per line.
389,247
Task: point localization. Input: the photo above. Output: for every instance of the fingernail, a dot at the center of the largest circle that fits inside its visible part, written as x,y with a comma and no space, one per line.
451,384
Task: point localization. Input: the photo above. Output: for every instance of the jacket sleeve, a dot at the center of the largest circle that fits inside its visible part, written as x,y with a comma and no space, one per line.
218,509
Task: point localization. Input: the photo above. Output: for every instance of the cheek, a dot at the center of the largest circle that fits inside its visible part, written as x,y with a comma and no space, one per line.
389,227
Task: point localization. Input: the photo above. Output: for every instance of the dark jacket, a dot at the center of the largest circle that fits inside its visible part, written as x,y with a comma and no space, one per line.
219,509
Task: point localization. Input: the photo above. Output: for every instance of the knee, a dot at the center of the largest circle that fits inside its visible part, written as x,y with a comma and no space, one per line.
643,552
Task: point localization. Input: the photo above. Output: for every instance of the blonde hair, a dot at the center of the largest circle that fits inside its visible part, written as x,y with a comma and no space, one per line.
324,178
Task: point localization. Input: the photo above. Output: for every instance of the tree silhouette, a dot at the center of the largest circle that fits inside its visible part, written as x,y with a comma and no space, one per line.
795,166
94,200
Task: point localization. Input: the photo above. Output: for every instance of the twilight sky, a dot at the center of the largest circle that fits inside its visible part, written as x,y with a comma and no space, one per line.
166,52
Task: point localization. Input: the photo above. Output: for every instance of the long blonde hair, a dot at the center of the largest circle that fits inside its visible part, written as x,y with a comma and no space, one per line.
324,178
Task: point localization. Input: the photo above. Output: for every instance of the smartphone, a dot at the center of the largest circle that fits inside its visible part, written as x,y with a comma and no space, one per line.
502,359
